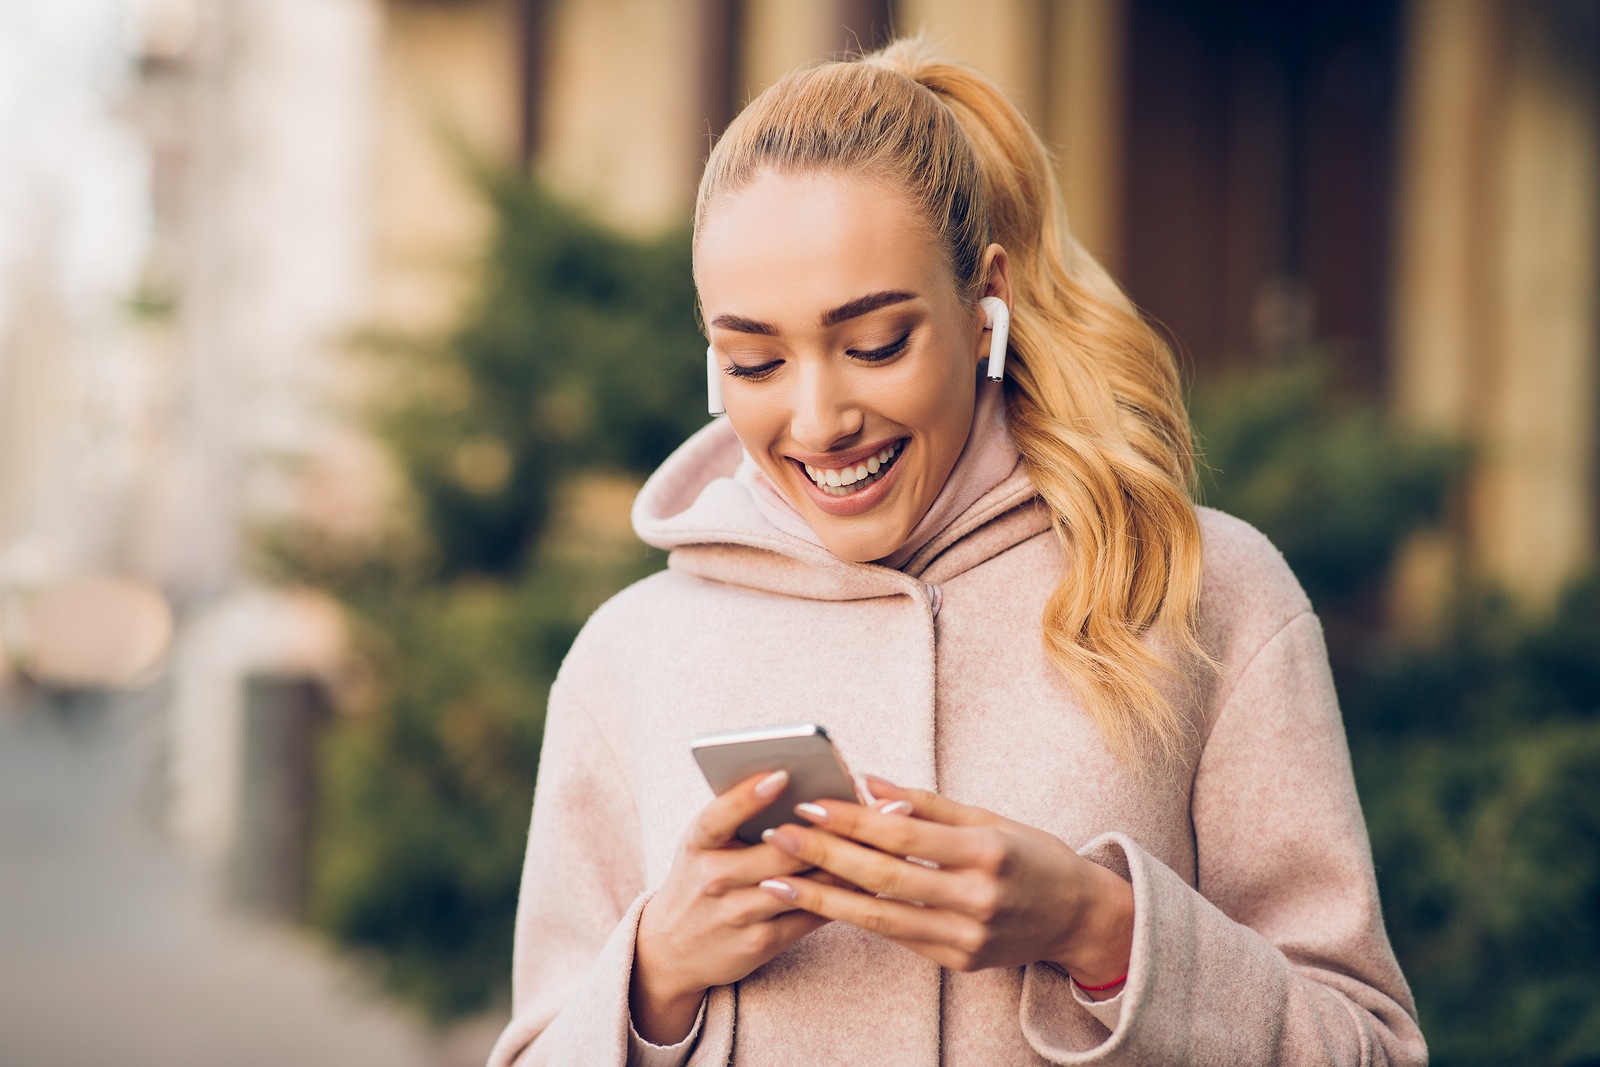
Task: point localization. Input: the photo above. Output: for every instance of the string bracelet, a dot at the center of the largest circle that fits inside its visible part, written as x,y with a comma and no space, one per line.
1098,988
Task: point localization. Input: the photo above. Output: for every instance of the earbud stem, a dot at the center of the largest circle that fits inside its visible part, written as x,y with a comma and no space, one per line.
997,317
714,403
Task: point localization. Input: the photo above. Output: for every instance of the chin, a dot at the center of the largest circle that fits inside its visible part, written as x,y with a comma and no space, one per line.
860,548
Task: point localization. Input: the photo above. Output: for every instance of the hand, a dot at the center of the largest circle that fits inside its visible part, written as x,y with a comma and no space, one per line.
1002,895
709,924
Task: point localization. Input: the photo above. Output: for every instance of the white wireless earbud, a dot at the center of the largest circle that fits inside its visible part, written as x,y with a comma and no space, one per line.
713,383
997,317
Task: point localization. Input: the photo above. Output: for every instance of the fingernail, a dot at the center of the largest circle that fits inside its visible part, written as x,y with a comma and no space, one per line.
772,785
873,782
897,807
815,812
783,842
781,889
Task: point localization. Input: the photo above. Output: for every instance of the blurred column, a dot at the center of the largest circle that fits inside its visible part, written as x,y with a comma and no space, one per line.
277,792
623,132
1495,323
450,92
1535,506
1083,116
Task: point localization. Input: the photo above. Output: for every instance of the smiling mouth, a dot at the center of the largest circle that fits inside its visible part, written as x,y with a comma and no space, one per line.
847,481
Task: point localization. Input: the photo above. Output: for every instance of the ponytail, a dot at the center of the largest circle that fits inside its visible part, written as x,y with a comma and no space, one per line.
1092,392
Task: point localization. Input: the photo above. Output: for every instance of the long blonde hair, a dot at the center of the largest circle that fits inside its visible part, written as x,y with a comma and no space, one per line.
1092,392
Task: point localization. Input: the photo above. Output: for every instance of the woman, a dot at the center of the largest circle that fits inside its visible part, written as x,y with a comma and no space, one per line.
1121,768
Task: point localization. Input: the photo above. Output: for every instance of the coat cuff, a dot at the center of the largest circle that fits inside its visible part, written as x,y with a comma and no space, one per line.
642,1053
595,1027
1174,1007
1060,1023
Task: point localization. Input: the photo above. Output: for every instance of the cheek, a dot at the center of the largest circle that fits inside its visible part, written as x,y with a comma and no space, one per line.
758,419
940,406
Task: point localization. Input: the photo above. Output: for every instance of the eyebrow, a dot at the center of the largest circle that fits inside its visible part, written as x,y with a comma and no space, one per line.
843,313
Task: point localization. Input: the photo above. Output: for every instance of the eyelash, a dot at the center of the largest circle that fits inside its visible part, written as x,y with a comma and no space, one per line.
870,355
878,355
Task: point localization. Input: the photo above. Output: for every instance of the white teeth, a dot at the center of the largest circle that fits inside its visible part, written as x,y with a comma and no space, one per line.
837,481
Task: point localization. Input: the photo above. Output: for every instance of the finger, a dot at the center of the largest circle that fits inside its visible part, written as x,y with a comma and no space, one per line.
751,906
721,819
948,846
829,878
736,868
930,805
872,870
888,918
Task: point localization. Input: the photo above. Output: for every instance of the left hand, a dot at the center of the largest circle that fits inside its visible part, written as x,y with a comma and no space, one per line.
1003,894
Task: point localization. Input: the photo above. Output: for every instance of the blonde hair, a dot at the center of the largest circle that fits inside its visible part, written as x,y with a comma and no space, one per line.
1092,392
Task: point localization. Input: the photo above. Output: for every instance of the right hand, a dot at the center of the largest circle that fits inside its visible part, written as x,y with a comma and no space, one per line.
709,924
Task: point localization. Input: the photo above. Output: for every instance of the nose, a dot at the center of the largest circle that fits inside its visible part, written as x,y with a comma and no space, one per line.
824,416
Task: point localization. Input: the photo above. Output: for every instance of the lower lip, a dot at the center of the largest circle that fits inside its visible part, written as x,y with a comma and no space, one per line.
855,503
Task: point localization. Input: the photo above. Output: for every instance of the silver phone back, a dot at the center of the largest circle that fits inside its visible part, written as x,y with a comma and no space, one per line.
802,749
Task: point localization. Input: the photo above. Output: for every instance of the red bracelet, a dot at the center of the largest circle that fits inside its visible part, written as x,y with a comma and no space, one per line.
1098,988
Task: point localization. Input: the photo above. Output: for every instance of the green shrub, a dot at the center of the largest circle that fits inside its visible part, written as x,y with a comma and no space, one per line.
1477,754
579,355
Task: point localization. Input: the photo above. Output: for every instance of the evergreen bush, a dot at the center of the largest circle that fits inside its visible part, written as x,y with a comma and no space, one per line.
579,356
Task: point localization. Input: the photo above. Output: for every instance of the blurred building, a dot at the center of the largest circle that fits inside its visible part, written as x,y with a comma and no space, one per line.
1410,183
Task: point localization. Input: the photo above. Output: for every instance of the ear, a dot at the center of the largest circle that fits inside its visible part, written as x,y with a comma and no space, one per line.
995,269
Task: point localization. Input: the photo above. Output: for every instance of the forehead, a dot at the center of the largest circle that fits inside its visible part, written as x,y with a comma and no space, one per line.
788,246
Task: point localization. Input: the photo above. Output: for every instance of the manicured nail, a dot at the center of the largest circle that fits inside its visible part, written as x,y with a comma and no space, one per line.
876,784
772,784
815,812
897,807
781,889
783,842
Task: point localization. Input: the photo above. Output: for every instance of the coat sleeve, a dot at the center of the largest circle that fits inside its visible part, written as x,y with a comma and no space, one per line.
582,892
1278,955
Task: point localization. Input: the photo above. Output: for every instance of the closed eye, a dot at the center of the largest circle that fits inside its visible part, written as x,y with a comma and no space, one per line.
878,355
751,373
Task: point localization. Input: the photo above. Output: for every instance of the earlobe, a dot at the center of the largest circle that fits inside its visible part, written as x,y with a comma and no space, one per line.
997,320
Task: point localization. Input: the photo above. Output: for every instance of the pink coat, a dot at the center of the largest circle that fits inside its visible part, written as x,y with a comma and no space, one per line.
1258,938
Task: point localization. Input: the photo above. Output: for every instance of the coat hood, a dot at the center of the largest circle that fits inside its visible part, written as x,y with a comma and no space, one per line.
693,507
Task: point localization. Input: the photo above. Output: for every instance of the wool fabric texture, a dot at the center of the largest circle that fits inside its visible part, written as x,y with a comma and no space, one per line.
1258,937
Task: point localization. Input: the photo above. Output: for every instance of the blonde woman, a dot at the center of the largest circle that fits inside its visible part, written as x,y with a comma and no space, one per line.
1113,819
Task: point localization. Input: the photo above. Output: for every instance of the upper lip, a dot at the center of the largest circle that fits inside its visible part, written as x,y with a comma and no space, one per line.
841,460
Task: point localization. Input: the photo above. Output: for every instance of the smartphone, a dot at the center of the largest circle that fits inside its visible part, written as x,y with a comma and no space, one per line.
803,749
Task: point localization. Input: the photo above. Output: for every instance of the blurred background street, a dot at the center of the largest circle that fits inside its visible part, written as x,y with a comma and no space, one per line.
116,951
337,335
